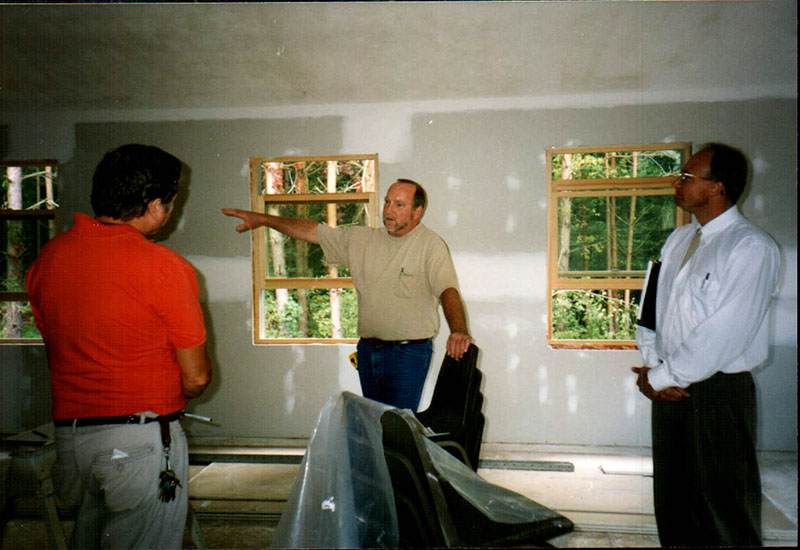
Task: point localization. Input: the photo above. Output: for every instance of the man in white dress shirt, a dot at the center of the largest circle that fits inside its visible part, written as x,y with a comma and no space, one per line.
712,329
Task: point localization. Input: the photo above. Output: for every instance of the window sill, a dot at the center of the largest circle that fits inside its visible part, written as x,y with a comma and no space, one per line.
592,344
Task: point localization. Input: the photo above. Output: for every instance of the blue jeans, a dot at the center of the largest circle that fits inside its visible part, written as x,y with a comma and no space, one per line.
394,373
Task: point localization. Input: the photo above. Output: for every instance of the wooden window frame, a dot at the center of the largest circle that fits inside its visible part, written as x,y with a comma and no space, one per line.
259,203
621,187
50,212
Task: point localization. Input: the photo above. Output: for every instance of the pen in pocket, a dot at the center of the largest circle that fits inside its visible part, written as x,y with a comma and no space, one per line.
705,281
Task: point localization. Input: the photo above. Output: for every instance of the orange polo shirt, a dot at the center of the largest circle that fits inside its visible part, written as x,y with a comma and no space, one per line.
112,307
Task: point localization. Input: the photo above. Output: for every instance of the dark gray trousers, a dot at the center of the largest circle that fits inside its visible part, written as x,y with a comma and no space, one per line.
706,484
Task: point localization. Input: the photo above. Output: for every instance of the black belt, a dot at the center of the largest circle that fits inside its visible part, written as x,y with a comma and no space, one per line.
379,342
127,419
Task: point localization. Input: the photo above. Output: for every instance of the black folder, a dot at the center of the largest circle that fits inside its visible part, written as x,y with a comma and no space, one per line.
647,305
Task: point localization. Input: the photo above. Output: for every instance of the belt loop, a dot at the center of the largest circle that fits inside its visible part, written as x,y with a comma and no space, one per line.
75,425
142,418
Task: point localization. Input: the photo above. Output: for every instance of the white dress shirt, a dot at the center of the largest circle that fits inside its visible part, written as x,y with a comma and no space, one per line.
711,315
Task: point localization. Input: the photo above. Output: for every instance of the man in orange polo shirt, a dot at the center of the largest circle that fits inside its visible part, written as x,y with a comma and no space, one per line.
125,341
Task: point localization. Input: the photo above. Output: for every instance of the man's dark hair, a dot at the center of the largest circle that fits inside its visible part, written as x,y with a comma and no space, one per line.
130,177
420,196
729,166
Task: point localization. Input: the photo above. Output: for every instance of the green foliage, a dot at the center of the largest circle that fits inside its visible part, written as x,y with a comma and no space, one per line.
321,313
586,315
20,242
307,313
349,179
605,235
29,330
348,215
349,176
285,322
602,165
595,221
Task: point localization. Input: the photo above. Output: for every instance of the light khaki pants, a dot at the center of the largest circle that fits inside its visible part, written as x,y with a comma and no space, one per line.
110,473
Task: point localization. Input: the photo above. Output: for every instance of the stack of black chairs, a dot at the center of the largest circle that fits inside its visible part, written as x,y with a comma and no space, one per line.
454,419
433,512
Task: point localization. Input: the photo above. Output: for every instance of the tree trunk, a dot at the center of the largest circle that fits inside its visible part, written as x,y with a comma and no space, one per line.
368,184
12,320
51,203
275,238
631,226
302,252
564,218
612,253
335,294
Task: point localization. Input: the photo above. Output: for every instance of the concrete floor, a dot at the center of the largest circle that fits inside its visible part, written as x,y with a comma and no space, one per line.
608,495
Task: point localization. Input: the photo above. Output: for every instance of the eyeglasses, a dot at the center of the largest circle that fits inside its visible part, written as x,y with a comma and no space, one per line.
683,176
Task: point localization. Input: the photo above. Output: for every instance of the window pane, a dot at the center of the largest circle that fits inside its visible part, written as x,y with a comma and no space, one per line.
336,191
310,313
313,177
288,257
627,164
595,314
30,189
655,164
37,186
612,236
21,241
16,321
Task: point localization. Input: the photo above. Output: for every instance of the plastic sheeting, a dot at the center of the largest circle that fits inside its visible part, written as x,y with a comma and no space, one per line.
343,498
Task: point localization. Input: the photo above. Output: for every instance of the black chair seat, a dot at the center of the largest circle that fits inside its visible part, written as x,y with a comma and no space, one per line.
436,496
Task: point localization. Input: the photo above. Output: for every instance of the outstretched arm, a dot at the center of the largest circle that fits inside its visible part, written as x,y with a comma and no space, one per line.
305,230
459,339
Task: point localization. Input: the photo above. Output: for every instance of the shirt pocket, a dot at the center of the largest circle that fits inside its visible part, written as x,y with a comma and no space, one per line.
704,293
410,283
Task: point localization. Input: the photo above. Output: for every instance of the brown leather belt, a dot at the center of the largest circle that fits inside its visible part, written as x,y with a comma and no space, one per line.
127,419
379,342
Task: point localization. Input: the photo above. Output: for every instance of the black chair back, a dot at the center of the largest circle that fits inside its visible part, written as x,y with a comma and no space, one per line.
454,417
421,509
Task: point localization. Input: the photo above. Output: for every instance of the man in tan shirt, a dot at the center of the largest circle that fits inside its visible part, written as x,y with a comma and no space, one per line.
401,273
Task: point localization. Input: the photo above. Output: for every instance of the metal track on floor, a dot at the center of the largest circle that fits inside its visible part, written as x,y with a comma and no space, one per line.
204,459
534,465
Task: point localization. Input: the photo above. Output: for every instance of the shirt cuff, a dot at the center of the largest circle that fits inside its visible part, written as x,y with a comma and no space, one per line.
659,378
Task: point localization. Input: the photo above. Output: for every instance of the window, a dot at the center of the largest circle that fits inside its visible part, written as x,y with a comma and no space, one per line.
609,211
297,297
27,220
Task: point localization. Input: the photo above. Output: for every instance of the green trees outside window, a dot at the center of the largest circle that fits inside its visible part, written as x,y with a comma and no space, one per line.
297,296
610,209
28,203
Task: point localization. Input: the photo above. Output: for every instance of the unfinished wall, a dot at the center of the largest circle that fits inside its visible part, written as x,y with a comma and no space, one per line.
483,166
464,98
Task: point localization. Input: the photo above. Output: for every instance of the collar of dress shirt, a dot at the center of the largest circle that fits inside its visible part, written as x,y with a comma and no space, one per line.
719,223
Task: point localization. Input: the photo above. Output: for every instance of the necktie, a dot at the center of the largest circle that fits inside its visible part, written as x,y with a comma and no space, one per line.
692,247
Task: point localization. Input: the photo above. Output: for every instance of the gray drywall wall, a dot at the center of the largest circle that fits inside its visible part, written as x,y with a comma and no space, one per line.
485,174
